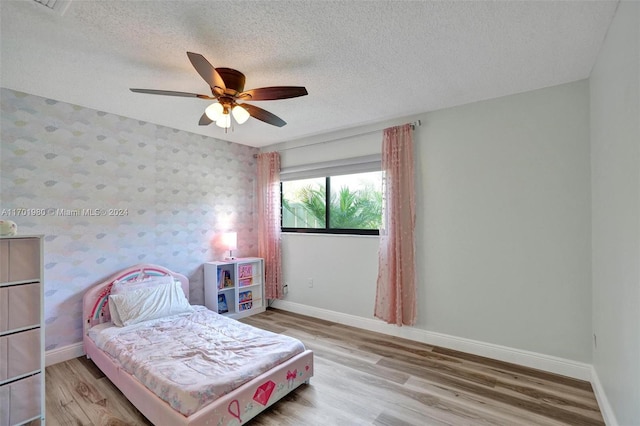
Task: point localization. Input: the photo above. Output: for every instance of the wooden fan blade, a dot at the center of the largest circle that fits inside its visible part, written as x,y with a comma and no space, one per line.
264,115
273,93
206,70
171,93
205,120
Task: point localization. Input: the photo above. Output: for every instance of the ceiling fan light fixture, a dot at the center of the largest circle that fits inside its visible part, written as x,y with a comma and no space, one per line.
240,114
215,111
227,87
224,121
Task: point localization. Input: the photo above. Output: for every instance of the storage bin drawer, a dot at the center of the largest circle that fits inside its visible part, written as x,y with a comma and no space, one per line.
23,353
24,259
24,306
4,360
24,402
4,309
4,405
4,263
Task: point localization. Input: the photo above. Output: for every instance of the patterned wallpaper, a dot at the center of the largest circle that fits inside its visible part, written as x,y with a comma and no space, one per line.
108,192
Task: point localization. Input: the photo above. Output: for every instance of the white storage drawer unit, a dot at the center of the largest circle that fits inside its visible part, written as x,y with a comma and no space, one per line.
21,332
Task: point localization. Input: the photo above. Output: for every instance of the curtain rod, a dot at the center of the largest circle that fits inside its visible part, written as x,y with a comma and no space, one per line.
413,125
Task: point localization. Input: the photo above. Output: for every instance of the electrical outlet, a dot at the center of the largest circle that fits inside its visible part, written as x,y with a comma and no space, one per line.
285,289
310,282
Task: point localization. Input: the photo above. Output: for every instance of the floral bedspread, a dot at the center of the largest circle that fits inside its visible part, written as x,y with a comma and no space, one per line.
190,360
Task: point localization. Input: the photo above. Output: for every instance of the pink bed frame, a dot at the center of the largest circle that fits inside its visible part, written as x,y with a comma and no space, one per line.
236,407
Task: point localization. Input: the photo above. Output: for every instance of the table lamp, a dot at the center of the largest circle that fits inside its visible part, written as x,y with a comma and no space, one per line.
230,242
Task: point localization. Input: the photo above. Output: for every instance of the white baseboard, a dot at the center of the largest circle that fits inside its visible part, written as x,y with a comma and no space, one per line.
62,354
603,402
565,367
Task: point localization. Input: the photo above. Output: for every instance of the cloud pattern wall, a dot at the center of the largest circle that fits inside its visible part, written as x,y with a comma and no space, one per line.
172,193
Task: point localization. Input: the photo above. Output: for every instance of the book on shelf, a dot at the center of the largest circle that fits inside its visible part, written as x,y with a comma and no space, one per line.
245,296
246,306
243,282
222,304
224,279
245,270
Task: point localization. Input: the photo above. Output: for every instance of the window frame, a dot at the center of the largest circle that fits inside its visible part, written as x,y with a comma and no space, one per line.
326,230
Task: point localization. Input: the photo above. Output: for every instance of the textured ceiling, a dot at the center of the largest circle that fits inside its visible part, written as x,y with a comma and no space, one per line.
361,62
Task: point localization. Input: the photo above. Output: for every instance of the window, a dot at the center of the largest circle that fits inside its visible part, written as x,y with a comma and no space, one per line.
343,204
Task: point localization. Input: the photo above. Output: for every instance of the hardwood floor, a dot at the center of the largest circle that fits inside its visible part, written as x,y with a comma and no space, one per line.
361,378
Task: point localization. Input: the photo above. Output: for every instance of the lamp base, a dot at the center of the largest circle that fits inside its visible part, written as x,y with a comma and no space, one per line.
231,256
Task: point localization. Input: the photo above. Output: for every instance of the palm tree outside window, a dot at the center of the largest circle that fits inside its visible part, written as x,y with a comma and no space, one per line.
343,204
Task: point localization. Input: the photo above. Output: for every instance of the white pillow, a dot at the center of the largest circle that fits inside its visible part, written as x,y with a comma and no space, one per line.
123,286
115,318
143,304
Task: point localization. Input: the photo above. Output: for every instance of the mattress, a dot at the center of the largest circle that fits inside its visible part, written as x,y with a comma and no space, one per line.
190,360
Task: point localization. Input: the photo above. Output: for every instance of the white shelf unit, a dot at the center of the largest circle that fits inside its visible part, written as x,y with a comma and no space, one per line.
22,397
235,287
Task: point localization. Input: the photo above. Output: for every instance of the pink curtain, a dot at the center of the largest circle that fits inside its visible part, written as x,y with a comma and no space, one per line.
269,222
396,286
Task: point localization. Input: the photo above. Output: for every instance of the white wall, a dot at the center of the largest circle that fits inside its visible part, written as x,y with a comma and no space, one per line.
615,145
503,227
343,269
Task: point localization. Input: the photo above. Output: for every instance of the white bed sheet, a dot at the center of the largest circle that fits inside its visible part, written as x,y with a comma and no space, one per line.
190,360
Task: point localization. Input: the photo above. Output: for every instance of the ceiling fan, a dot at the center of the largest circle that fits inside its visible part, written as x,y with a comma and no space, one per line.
227,88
